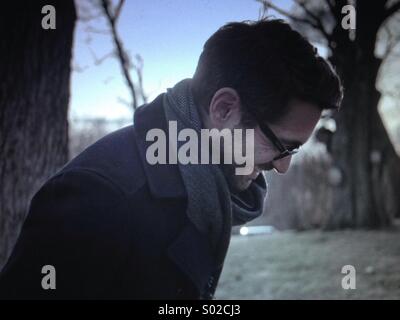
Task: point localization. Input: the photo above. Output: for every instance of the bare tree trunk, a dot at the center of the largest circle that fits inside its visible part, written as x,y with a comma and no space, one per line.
34,96
361,147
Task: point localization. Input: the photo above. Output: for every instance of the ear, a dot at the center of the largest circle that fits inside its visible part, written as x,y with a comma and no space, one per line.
225,109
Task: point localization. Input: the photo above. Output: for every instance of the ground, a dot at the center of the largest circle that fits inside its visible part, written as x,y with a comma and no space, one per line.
307,265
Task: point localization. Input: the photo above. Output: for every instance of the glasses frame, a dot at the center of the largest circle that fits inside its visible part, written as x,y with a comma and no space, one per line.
284,152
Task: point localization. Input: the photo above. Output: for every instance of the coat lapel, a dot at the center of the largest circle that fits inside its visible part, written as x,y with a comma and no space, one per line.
190,251
164,180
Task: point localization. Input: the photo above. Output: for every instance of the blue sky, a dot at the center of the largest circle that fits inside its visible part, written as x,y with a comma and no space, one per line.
168,34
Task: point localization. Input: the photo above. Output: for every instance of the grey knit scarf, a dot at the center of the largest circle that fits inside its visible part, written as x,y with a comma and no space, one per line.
211,206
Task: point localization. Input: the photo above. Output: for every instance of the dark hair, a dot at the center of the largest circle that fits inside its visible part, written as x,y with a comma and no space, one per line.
268,64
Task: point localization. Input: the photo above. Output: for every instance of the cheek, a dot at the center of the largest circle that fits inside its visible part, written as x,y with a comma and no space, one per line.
263,152
263,155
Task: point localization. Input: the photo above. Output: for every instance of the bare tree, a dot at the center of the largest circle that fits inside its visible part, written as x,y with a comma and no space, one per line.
366,192
92,10
34,95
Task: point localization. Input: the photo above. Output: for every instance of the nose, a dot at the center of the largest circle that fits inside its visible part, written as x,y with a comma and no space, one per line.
282,165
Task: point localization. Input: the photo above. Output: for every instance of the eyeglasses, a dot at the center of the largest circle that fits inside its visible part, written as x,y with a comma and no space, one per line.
284,152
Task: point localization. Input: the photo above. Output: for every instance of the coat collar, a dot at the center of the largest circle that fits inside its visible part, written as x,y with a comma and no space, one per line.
164,180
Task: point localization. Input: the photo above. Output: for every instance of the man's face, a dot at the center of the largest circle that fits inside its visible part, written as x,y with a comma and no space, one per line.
293,130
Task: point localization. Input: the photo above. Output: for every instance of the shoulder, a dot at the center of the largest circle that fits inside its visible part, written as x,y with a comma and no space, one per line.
115,158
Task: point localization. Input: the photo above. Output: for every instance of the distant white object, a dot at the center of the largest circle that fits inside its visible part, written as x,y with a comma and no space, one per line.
255,230
244,231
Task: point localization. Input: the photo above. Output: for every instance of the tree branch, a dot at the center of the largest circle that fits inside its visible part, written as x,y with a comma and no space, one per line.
99,61
138,66
123,57
314,23
318,23
268,4
118,9
94,30
330,6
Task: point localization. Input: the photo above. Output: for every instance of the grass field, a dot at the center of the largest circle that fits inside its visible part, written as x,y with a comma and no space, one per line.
307,265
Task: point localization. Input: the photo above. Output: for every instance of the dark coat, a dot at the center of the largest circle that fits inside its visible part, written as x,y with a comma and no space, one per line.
113,226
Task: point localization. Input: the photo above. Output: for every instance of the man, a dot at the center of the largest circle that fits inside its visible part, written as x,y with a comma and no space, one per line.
112,225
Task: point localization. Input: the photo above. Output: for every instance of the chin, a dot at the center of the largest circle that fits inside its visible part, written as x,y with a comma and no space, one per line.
236,183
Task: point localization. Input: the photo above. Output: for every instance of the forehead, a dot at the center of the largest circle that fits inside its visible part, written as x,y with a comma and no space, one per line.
298,123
